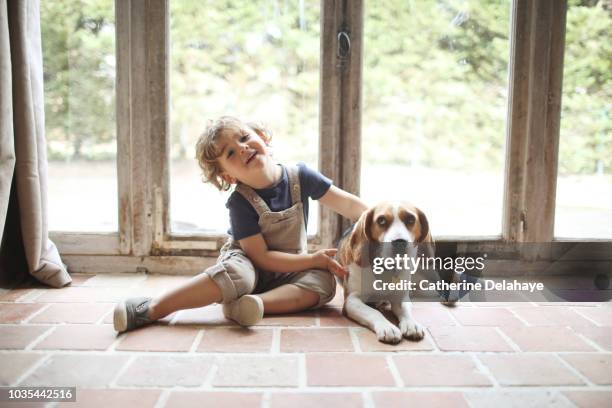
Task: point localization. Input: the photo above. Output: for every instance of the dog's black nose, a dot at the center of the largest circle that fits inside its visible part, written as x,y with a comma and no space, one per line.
399,245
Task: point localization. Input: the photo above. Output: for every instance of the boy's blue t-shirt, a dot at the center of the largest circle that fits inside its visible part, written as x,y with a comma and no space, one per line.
243,217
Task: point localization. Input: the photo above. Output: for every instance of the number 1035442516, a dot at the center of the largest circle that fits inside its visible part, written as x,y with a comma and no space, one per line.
47,394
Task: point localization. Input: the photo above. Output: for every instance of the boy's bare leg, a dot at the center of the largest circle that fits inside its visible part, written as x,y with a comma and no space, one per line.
199,291
287,299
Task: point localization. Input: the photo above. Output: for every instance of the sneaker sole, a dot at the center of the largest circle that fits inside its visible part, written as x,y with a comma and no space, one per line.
120,317
254,314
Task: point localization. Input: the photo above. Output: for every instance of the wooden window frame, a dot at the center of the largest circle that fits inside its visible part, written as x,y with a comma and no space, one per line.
144,241
532,144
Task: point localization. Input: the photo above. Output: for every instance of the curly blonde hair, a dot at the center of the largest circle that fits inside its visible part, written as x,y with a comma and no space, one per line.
207,149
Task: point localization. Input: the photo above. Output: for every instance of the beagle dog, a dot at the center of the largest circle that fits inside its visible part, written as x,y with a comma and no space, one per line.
387,222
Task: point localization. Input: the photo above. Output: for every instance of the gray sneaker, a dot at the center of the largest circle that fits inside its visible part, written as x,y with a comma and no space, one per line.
131,313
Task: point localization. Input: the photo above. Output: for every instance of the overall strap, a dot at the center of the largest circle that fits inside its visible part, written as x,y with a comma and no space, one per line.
253,198
294,184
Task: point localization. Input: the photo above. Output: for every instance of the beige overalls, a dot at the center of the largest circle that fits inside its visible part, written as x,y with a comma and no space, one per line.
283,231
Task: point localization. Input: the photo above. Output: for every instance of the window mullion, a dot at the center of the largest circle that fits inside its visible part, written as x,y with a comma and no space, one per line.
142,110
123,24
330,115
157,43
340,118
351,100
536,72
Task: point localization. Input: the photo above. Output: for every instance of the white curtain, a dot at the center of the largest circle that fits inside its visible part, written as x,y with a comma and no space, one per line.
23,158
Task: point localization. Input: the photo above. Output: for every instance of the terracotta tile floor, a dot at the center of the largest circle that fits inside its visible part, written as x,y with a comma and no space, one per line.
474,355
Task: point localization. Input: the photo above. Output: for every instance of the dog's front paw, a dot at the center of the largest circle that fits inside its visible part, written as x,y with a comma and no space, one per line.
388,333
411,330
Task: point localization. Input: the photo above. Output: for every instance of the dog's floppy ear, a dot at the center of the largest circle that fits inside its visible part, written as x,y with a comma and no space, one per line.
360,236
425,233
427,247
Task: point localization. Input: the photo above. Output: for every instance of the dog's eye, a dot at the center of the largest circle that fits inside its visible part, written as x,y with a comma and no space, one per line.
382,221
410,219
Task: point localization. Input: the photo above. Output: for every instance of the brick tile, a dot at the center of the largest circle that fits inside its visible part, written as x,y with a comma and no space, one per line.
210,315
78,279
485,317
30,405
31,296
602,336
68,313
589,399
162,283
198,399
347,370
546,339
401,399
14,294
167,371
17,312
577,304
430,314
120,280
333,317
159,338
236,340
526,369
85,295
104,398
108,319
495,298
488,303
257,371
439,370
20,291
18,337
596,367
513,399
601,315
369,342
551,316
165,281
304,340
315,399
307,318
14,365
80,370
69,294
471,338
79,337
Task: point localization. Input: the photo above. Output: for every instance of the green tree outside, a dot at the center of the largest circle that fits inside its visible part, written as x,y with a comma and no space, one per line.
436,78
79,75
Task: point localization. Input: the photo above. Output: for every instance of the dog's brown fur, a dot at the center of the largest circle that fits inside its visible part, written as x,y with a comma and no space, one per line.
366,230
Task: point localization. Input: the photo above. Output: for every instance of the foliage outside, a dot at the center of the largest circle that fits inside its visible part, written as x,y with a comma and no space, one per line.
435,79
78,39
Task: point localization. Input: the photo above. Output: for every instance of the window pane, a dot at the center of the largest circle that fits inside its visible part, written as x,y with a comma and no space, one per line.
78,40
256,60
435,103
584,183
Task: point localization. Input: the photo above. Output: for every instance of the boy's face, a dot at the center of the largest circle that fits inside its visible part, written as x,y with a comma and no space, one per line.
244,156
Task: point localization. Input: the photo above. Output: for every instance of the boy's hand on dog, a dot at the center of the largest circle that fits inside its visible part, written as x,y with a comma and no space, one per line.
324,259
